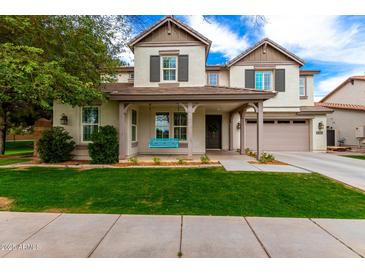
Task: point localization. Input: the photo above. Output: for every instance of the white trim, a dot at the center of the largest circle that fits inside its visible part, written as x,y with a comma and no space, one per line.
208,79
82,123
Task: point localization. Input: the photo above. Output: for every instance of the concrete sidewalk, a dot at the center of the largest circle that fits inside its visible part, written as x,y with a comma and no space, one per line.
107,235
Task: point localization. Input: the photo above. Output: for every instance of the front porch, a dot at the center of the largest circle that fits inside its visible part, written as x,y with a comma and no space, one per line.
201,118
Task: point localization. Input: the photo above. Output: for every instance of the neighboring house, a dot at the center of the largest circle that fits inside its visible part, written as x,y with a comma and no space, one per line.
260,99
348,104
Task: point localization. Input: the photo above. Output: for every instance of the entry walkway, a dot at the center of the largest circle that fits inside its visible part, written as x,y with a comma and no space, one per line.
244,165
108,235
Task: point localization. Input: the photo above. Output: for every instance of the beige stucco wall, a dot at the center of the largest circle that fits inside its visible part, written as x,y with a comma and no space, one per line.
349,94
344,123
309,101
196,65
108,116
318,138
123,77
283,101
223,77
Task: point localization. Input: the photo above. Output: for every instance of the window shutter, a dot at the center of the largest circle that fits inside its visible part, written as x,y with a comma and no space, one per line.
183,68
280,79
249,78
154,68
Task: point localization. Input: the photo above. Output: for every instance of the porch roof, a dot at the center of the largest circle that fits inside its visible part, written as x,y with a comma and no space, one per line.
126,92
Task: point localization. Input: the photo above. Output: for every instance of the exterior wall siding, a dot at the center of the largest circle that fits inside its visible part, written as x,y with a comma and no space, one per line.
196,65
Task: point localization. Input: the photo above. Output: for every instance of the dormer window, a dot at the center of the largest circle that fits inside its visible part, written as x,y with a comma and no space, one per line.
169,68
212,79
302,88
263,80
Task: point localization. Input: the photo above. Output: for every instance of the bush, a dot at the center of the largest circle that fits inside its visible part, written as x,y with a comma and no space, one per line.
249,152
104,148
204,159
133,160
181,161
55,145
266,157
157,160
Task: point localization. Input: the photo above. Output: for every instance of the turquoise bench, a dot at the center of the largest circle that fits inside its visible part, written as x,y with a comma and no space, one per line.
163,143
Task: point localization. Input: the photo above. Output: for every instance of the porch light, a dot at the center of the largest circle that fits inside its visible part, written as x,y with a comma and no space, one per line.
238,125
320,125
64,119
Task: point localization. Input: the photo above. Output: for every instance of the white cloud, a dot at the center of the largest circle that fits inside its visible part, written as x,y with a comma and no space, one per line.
326,86
224,40
324,38
127,56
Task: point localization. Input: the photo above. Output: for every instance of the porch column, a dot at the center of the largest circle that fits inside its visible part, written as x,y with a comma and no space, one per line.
123,108
190,130
260,129
242,113
231,130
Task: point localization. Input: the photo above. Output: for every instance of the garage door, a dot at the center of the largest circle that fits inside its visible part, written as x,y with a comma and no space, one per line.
281,135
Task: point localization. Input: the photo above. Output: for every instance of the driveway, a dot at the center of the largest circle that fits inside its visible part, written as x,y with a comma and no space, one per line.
347,170
39,235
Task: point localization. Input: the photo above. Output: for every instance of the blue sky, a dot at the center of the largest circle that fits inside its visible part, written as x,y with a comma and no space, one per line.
333,44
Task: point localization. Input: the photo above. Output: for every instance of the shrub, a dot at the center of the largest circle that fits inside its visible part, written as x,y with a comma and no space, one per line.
181,161
133,160
55,145
104,148
156,160
204,159
266,157
250,152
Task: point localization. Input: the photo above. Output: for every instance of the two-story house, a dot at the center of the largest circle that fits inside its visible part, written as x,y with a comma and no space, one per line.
260,99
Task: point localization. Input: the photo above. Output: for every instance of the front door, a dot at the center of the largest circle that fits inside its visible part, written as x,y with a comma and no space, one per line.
213,131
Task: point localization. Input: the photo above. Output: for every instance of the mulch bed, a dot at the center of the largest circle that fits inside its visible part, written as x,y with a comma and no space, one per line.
274,162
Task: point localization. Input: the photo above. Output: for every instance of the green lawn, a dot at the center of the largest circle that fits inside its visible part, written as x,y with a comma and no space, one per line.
10,161
202,191
19,147
360,157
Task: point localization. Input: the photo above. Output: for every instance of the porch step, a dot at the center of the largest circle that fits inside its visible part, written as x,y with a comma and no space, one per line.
237,165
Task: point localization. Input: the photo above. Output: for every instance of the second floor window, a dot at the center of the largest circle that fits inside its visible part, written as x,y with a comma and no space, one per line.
263,80
302,87
169,65
213,79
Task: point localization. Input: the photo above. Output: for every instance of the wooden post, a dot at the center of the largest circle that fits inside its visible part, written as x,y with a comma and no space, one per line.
190,130
260,129
231,130
123,108
242,131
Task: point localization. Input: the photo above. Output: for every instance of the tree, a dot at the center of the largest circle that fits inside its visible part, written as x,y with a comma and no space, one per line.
47,58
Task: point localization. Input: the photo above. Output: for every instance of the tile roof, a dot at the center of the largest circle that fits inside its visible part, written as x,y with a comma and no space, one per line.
342,106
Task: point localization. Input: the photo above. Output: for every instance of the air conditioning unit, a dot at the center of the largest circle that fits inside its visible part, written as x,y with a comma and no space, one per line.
360,132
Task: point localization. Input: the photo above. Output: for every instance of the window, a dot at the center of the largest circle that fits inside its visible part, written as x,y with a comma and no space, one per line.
213,79
90,122
162,124
302,92
169,65
263,80
134,125
131,76
180,124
